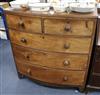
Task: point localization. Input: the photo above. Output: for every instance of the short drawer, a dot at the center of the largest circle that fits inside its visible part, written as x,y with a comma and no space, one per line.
51,43
27,24
68,27
50,59
53,76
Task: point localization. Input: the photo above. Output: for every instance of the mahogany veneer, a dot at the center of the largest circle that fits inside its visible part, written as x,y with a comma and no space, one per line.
54,49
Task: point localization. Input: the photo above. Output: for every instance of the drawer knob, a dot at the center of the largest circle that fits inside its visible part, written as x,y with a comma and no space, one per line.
66,63
27,56
21,24
29,71
66,46
65,78
23,40
67,28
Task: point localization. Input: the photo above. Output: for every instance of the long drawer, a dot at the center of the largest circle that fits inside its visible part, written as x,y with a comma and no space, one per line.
49,59
68,27
54,76
51,43
26,24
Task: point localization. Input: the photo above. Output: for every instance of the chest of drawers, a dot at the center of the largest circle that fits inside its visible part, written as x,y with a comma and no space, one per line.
53,49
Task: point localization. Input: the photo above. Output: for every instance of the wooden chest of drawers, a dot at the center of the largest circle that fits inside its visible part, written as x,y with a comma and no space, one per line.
53,49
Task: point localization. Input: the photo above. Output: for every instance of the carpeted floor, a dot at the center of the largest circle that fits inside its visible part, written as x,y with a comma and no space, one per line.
10,84
1,23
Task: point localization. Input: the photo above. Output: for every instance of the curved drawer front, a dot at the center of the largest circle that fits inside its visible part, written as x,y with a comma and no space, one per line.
51,43
49,59
68,27
27,24
54,76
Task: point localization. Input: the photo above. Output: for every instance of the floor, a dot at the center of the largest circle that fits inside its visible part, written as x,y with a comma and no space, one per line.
10,84
1,23
2,33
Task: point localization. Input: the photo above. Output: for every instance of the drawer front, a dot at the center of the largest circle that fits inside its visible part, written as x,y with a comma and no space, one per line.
54,76
49,59
27,24
95,81
68,27
51,43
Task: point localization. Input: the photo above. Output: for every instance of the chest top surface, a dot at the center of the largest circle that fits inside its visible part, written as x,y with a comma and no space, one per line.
56,14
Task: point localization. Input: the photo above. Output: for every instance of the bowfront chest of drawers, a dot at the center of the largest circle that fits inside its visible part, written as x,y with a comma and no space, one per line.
53,49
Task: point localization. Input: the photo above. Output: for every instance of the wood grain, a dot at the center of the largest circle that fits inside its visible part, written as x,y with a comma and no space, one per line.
50,43
55,49
74,27
60,77
72,15
22,23
50,59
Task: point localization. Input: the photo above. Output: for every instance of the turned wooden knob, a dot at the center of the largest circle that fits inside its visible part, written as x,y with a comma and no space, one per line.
23,40
65,78
66,46
66,63
67,27
21,24
29,71
27,56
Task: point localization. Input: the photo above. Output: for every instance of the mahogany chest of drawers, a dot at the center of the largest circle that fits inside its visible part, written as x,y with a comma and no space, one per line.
53,49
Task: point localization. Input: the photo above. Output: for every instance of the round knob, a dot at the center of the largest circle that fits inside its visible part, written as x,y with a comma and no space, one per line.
66,63
65,78
21,24
27,56
66,46
29,71
23,40
67,27
85,66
